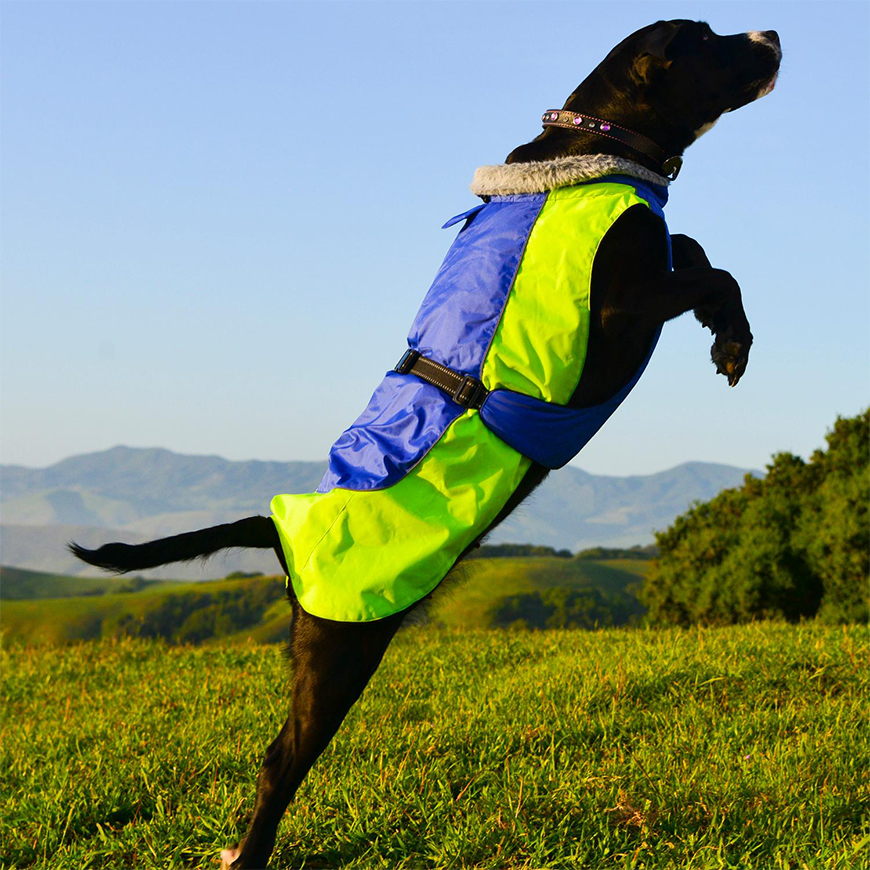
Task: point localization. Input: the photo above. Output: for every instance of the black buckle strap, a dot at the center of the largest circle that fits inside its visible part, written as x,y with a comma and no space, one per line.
406,363
471,393
466,391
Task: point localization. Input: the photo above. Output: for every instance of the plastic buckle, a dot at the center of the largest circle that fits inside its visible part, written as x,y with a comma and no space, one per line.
406,363
470,393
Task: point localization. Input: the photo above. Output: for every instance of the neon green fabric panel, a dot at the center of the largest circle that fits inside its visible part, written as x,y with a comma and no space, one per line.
393,546
539,347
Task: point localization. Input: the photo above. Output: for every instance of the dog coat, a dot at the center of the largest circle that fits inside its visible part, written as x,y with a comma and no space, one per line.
417,478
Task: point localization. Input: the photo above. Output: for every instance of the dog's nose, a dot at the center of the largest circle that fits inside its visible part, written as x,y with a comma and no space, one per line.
773,36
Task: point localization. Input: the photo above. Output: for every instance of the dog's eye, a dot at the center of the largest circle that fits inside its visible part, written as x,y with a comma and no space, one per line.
705,37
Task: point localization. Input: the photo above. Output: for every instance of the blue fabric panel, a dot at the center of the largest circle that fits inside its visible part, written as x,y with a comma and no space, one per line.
403,420
461,310
548,433
406,416
464,216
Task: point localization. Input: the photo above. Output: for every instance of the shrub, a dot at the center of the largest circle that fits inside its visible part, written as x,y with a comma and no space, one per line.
792,545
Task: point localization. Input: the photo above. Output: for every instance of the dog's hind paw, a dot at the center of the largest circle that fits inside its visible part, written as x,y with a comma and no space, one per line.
228,856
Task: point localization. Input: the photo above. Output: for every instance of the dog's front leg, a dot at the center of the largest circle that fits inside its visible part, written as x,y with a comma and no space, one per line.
694,285
688,254
722,315
332,663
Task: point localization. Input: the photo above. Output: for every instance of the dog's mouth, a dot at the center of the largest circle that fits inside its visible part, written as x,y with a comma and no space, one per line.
766,89
756,92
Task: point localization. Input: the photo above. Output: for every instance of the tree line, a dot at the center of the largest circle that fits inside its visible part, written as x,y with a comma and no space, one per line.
792,545
195,616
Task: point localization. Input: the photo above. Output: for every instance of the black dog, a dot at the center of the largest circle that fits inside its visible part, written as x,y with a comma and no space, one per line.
668,83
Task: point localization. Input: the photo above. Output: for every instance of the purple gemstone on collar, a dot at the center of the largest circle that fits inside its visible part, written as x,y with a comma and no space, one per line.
605,126
554,116
578,119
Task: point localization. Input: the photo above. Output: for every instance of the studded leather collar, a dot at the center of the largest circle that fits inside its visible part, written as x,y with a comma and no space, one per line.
583,123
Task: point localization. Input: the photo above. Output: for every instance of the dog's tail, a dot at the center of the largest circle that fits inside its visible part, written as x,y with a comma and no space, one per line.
258,532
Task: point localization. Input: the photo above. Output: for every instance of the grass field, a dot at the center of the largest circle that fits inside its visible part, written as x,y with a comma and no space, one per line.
745,747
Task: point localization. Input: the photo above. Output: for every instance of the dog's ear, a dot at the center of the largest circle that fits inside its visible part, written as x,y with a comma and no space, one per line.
652,51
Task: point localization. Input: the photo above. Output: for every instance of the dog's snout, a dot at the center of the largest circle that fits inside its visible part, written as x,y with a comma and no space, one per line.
768,38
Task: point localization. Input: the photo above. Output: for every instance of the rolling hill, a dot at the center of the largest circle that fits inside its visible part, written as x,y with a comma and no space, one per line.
49,608
136,494
18,584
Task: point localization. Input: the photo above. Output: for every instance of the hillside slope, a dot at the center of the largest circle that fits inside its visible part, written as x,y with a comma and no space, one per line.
21,584
137,494
256,608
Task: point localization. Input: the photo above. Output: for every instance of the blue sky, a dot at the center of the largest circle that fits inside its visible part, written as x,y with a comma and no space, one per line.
218,219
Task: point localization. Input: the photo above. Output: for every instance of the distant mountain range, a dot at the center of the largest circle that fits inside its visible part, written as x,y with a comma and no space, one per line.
135,494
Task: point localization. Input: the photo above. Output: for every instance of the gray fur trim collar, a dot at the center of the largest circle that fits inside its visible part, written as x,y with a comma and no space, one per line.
508,178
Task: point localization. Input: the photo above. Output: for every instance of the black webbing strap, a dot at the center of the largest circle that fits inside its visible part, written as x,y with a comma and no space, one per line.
463,389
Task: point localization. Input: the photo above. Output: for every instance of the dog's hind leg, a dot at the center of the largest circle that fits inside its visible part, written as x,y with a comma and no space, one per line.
332,663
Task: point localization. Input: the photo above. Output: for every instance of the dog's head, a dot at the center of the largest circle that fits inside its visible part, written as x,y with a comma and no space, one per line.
670,81
687,76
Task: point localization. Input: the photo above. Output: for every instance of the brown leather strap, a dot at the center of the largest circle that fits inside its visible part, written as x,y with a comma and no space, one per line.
670,166
465,390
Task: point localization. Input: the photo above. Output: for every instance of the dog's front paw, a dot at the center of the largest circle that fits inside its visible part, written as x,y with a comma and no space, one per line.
228,856
730,353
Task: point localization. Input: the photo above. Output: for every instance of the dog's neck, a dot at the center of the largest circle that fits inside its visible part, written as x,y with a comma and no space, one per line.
609,92
559,157
513,178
